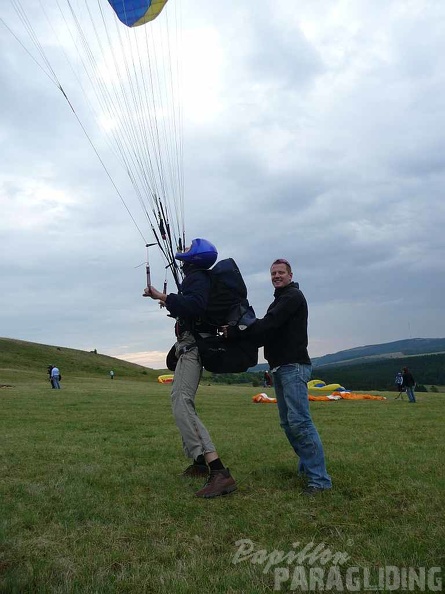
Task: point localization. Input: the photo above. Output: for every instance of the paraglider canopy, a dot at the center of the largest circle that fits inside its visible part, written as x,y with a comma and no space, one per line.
134,12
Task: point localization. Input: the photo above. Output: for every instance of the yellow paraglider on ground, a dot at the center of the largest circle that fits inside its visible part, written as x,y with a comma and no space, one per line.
317,385
165,379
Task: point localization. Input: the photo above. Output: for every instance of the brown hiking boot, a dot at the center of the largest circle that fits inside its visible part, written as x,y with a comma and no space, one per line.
219,482
196,471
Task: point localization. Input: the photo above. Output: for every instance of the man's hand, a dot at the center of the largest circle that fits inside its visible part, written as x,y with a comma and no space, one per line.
147,292
154,294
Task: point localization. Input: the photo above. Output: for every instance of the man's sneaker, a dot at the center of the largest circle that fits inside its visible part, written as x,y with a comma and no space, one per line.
196,471
219,482
313,491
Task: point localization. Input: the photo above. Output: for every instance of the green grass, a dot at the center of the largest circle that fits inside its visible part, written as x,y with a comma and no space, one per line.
91,500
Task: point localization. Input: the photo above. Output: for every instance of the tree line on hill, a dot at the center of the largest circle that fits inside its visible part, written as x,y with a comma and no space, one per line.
379,375
370,375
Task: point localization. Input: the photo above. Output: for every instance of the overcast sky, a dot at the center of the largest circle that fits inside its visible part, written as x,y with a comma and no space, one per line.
313,131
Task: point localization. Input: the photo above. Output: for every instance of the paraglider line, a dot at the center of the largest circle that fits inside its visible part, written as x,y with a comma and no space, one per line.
102,163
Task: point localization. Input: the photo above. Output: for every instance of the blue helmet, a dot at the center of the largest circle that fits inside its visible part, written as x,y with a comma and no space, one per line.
201,254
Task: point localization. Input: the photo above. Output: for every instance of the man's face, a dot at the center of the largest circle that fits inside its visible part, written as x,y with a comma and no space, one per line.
280,276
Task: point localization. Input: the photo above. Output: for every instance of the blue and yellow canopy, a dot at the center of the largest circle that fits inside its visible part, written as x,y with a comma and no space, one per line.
134,12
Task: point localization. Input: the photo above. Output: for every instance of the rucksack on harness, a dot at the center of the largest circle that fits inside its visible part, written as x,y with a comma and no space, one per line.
227,306
228,303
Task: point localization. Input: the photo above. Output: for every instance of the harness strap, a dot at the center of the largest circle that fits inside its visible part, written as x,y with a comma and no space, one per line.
187,348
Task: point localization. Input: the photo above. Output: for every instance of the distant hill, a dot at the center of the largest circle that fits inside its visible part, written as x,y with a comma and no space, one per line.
400,348
409,347
378,372
20,355
373,367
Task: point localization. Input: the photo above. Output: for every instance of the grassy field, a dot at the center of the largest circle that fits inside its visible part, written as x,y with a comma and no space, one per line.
91,500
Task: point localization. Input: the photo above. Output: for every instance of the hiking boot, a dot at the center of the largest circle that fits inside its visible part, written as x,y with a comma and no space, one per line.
313,491
196,471
219,482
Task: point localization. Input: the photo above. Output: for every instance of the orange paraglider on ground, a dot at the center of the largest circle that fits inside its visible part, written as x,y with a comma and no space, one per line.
345,396
262,397
337,393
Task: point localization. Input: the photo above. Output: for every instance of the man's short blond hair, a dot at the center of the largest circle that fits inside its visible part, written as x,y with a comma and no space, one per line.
285,262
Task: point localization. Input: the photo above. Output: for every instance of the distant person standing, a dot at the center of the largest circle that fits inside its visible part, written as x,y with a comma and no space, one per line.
409,384
267,380
399,384
55,377
111,374
49,369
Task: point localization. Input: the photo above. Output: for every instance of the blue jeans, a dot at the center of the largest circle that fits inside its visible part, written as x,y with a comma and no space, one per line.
410,393
290,382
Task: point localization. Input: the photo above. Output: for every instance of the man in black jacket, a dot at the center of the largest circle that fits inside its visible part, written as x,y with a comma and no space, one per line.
283,331
188,307
409,383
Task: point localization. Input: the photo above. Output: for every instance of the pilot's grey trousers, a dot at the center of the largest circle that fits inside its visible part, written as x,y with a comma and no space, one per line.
195,437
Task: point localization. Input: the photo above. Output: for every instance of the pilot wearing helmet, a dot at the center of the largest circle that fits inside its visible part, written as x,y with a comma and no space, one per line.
188,307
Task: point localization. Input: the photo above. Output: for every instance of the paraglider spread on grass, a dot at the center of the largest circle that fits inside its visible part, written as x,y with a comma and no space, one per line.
165,379
319,391
346,396
263,398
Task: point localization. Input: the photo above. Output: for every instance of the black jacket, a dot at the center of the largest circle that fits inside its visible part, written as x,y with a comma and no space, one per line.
283,330
408,379
190,304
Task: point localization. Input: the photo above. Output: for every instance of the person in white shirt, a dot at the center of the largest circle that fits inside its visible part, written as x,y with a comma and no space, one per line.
55,377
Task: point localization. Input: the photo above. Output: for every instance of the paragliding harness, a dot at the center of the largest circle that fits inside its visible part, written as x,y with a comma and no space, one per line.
400,387
227,306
